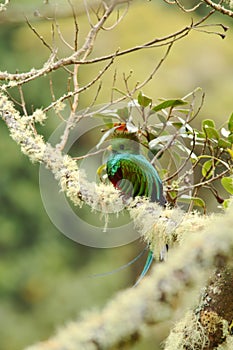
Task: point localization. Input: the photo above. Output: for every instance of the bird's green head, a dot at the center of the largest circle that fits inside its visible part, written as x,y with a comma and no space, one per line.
124,140
120,141
125,143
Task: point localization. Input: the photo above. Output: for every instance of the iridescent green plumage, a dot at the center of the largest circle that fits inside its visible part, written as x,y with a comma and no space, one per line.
135,176
131,173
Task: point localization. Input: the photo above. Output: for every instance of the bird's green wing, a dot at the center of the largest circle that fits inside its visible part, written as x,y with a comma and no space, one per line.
134,178
141,176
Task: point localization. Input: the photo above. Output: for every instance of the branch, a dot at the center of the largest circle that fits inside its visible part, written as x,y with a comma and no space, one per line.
209,324
3,7
159,296
81,89
176,2
75,58
63,167
220,8
43,12
123,320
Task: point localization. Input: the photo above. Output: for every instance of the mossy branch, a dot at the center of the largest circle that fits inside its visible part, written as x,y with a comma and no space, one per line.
210,323
71,179
3,6
199,252
220,8
170,287
155,225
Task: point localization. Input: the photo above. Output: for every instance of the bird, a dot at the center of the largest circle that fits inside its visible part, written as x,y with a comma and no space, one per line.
128,169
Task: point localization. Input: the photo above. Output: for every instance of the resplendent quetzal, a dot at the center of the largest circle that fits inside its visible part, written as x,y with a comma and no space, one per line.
131,172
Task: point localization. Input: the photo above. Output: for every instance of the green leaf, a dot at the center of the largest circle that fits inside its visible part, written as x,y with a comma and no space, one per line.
143,100
162,118
177,125
185,151
223,143
123,113
183,110
226,203
177,157
208,126
199,202
163,139
208,123
196,201
173,194
107,115
207,169
199,134
156,150
227,183
163,173
230,123
154,132
230,138
169,103
211,133
230,151
108,122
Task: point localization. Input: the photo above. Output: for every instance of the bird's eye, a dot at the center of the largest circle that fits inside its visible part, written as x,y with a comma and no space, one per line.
122,146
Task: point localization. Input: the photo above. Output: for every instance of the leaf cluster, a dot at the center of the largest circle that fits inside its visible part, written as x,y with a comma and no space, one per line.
181,152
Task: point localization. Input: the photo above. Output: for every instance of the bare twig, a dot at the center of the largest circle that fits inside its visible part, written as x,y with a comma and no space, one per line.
63,40
71,121
118,20
50,65
23,104
183,165
155,70
90,154
176,2
220,8
40,37
76,26
203,183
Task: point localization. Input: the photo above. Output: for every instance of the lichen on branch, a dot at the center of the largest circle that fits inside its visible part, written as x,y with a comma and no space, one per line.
170,286
65,169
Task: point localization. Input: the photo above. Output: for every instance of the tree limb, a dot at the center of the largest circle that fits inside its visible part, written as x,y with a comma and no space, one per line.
220,8
157,298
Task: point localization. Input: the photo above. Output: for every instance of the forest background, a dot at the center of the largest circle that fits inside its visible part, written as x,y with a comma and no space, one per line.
45,278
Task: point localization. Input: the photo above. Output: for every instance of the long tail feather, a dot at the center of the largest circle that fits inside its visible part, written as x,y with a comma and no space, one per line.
122,267
148,263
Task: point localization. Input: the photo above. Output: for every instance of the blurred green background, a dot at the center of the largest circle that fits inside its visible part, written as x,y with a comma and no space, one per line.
45,278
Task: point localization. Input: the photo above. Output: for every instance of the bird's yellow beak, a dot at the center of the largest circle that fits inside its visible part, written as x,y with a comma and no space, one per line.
101,171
